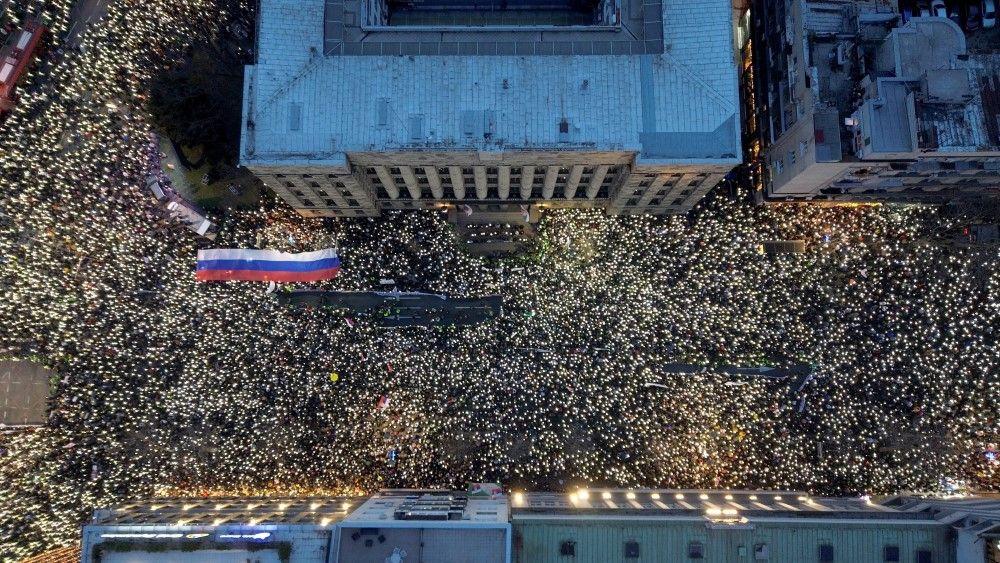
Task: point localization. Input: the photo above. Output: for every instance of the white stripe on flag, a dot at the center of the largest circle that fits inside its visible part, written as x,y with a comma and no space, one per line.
265,255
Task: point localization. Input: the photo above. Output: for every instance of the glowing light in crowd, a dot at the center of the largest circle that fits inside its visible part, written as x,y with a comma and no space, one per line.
167,386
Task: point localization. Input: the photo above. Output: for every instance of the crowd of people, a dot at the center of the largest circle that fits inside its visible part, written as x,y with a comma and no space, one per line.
168,386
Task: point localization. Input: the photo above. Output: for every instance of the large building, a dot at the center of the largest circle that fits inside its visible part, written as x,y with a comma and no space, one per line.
853,103
584,526
358,106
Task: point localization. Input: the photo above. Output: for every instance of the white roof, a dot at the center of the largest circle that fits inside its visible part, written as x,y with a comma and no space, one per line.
24,39
679,106
5,71
379,511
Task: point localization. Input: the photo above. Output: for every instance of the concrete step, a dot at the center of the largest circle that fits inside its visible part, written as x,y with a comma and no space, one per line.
495,248
483,215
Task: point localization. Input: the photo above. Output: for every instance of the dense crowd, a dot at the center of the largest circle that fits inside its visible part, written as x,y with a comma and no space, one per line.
169,386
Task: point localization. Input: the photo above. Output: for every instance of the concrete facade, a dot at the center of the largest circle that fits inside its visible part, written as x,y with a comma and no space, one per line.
341,119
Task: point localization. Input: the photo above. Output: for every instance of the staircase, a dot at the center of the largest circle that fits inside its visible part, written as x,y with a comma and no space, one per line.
494,230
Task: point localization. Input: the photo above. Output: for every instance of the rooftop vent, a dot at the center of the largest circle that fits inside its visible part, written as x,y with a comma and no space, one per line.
631,549
382,110
294,116
696,550
416,127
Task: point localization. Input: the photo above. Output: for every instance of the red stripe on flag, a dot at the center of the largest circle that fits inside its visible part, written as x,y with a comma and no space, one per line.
260,275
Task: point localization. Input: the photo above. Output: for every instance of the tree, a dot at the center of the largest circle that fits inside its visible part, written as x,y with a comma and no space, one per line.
199,103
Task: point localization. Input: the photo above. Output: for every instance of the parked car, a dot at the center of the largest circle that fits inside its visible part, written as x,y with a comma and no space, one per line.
989,13
974,20
939,9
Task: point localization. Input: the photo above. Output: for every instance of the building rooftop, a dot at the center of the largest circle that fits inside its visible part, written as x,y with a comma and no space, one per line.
425,525
653,503
671,99
418,507
221,511
923,91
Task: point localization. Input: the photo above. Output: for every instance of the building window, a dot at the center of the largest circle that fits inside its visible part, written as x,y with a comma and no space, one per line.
826,553
567,548
892,553
631,549
924,556
696,550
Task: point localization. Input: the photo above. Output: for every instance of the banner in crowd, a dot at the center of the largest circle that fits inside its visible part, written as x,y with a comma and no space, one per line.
232,264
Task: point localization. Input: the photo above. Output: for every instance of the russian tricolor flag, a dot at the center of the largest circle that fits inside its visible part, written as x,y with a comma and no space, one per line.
230,264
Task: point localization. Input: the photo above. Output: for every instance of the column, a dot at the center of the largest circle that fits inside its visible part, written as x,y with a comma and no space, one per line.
410,179
479,175
435,181
388,181
457,181
549,186
596,180
527,181
573,182
503,180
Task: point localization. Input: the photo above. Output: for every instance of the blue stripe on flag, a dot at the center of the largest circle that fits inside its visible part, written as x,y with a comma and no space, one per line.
269,265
